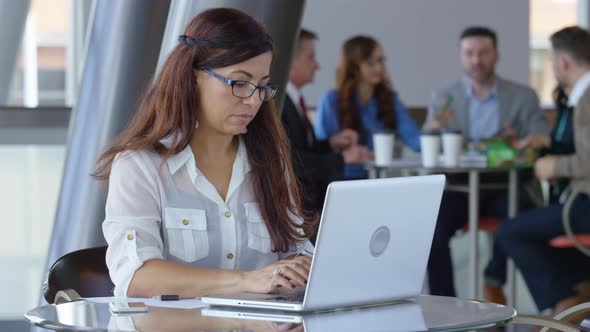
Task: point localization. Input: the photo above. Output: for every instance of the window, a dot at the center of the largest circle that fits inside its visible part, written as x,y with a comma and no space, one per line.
547,16
31,173
30,177
48,66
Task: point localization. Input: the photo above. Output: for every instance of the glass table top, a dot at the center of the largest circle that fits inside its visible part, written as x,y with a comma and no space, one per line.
423,313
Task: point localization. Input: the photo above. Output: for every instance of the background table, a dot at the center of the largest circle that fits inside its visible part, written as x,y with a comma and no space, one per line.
409,166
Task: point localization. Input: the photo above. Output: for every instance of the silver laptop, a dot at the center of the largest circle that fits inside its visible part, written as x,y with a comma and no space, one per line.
372,247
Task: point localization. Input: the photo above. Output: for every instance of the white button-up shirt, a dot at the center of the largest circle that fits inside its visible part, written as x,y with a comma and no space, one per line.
171,211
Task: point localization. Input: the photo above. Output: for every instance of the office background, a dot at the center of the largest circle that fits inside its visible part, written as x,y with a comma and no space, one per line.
419,38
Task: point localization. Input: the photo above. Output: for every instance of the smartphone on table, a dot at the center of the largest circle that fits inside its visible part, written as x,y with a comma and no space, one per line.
121,307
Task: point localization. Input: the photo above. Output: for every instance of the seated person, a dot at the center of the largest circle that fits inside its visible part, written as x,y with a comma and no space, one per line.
202,198
364,101
481,105
316,162
560,142
552,275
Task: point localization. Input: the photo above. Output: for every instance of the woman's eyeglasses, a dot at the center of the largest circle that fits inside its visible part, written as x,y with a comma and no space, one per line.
244,89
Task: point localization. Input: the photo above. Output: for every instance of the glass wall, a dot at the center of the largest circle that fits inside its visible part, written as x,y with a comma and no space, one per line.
30,168
30,177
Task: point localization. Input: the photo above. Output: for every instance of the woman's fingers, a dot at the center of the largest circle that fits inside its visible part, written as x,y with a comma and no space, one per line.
306,260
280,280
295,276
290,273
302,267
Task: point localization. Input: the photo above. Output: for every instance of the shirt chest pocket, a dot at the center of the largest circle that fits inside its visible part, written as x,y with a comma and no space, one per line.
258,235
187,233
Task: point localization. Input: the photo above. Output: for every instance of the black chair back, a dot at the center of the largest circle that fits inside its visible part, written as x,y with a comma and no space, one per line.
84,271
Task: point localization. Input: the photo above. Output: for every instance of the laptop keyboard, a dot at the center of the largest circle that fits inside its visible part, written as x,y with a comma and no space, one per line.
288,298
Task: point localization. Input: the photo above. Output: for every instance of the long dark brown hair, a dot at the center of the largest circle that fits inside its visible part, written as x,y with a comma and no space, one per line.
218,38
348,75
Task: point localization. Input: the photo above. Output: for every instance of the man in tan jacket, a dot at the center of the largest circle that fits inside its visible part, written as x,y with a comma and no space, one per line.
553,275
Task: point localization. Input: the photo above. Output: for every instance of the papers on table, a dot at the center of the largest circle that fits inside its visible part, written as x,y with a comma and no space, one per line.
182,304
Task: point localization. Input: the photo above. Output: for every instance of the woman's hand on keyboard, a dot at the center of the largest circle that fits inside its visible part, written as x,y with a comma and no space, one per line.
287,273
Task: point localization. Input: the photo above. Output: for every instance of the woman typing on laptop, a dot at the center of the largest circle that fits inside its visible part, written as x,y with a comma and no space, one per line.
202,198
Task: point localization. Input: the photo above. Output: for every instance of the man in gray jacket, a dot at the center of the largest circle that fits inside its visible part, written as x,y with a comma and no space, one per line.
553,275
481,105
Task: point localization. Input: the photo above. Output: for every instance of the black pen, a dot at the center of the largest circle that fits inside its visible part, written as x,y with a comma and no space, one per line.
170,297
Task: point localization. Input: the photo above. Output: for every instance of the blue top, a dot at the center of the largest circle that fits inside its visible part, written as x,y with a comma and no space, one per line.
484,114
328,123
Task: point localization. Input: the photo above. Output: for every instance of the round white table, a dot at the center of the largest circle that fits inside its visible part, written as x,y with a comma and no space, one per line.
423,313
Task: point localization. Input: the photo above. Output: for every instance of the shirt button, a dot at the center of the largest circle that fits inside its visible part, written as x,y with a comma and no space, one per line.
129,237
185,222
227,214
230,256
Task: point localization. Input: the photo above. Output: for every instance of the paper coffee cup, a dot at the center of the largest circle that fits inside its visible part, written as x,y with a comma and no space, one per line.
452,143
430,149
383,143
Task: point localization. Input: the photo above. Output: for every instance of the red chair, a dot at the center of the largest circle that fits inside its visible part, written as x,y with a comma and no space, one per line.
486,224
565,242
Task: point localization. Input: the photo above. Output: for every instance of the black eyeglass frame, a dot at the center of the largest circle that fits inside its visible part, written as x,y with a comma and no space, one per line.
269,87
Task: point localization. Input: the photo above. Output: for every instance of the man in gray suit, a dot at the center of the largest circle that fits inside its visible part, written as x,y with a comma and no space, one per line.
480,105
483,105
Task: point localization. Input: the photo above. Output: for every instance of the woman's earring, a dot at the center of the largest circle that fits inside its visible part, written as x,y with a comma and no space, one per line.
196,124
